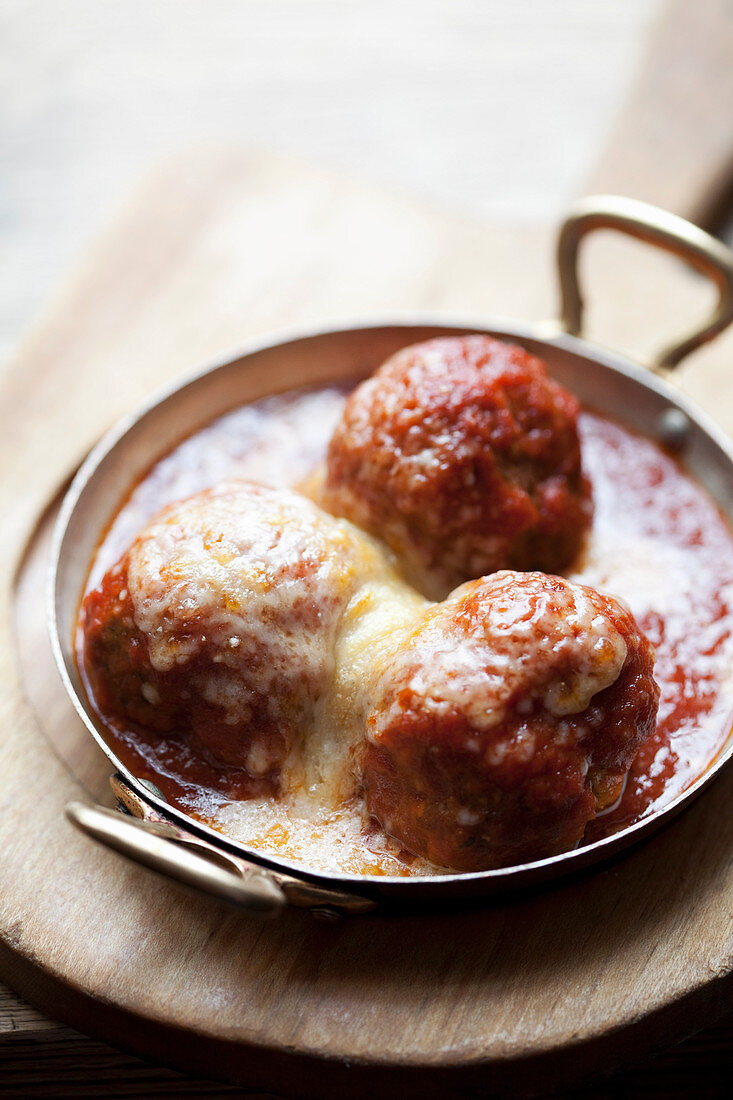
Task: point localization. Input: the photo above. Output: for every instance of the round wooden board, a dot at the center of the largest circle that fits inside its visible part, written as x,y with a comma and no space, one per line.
553,984
537,989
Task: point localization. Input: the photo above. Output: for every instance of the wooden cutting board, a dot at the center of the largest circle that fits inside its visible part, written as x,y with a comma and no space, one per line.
217,247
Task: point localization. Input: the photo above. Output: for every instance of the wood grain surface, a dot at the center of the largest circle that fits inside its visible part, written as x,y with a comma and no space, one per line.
546,988
59,1062
671,143
475,103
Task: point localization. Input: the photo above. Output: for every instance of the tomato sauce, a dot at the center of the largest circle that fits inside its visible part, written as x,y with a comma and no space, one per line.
661,543
658,541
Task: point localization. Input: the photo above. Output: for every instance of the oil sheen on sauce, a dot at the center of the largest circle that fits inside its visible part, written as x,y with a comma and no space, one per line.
658,541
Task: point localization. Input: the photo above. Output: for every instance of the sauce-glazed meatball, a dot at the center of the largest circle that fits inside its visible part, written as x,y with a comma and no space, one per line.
219,626
507,719
462,454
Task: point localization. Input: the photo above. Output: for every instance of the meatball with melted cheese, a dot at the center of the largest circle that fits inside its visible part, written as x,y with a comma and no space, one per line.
220,626
506,720
462,454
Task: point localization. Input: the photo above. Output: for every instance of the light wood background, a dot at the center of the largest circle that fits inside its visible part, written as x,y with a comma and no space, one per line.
537,298
497,108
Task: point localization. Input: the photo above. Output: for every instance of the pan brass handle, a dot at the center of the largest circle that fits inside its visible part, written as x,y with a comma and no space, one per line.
150,844
146,836
668,232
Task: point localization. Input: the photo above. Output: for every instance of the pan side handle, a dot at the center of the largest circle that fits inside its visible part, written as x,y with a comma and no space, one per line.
153,846
667,231
139,832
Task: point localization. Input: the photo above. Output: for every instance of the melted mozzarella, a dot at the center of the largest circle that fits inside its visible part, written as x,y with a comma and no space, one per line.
283,603
527,644
236,567
374,623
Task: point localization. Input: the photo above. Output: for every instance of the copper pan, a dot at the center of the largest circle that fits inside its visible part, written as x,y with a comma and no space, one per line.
167,840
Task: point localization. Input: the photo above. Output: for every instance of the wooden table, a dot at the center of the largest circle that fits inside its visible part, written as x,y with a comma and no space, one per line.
41,1059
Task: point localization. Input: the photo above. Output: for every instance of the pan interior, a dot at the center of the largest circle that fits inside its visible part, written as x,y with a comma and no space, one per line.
602,381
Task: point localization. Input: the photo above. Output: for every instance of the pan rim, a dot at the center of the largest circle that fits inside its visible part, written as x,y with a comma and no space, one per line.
503,879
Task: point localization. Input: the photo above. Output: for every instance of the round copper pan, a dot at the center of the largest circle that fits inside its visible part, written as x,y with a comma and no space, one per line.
166,839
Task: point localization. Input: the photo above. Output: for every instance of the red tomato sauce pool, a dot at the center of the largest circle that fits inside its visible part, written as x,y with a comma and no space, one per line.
659,542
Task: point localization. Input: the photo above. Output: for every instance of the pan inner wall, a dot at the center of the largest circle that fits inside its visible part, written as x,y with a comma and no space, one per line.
323,359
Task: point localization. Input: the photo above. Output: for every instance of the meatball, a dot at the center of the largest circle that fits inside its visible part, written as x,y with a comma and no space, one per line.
506,720
462,454
219,625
